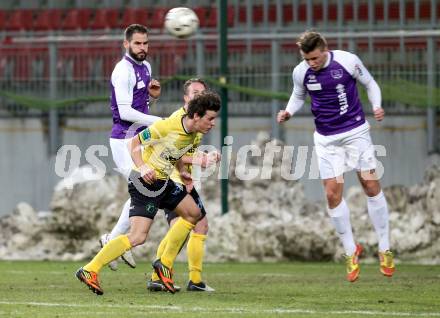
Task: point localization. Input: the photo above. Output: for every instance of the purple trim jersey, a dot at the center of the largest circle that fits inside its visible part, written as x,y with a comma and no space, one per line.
129,85
335,102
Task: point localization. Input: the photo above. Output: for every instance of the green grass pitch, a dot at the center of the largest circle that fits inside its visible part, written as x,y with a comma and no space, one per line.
49,289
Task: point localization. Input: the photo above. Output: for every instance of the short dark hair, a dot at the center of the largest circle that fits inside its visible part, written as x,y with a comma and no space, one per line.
134,28
193,80
311,40
208,100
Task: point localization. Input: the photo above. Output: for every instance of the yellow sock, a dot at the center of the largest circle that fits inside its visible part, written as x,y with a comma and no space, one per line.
161,247
159,253
195,250
109,252
154,277
176,238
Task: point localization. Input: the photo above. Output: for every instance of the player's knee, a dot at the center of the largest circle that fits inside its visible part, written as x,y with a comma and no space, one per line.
371,188
192,215
201,227
333,197
137,238
196,214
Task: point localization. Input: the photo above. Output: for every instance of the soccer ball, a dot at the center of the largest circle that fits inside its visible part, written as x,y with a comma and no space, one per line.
181,22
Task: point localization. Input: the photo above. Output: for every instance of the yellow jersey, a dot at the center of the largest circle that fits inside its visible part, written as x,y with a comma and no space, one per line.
166,141
175,175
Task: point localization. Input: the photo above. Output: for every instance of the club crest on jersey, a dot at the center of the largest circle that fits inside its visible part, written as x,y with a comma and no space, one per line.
336,74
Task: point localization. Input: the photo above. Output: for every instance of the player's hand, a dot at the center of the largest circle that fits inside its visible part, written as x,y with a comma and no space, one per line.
206,159
210,159
187,180
214,156
189,186
154,88
379,114
148,174
283,115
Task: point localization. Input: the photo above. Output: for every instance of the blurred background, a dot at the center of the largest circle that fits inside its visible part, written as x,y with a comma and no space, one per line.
56,58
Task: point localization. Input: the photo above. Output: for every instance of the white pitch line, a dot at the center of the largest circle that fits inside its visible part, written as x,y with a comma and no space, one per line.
28,272
230,310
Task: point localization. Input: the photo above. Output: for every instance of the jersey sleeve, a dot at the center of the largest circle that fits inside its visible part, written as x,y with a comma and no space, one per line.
123,83
154,132
361,74
298,96
359,71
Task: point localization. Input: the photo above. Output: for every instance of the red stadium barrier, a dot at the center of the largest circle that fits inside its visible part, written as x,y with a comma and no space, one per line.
2,19
105,19
46,20
153,17
19,20
77,19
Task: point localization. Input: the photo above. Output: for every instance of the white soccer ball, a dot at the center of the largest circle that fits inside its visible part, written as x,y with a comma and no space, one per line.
181,22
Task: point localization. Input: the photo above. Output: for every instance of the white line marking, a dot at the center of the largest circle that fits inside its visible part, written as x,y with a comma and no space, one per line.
33,273
230,310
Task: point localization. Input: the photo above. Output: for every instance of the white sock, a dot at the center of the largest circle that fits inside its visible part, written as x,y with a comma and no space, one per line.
378,211
340,217
123,224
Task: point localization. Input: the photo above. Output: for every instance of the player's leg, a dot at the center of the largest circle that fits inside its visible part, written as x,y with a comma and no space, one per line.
124,163
196,249
379,216
121,227
340,218
112,250
140,225
339,214
376,201
177,199
154,284
331,163
142,212
189,214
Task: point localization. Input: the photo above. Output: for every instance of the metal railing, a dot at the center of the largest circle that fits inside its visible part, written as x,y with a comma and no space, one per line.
56,68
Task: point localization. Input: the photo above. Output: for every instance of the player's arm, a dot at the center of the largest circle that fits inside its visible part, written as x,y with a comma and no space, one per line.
148,174
185,175
154,88
296,100
200,158
205,159
124,84
373,91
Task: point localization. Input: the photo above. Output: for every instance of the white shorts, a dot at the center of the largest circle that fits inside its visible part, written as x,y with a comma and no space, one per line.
121,156
344,152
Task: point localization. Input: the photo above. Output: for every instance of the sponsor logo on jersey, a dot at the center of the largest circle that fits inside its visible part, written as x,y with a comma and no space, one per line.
140,84
314,87
342,98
